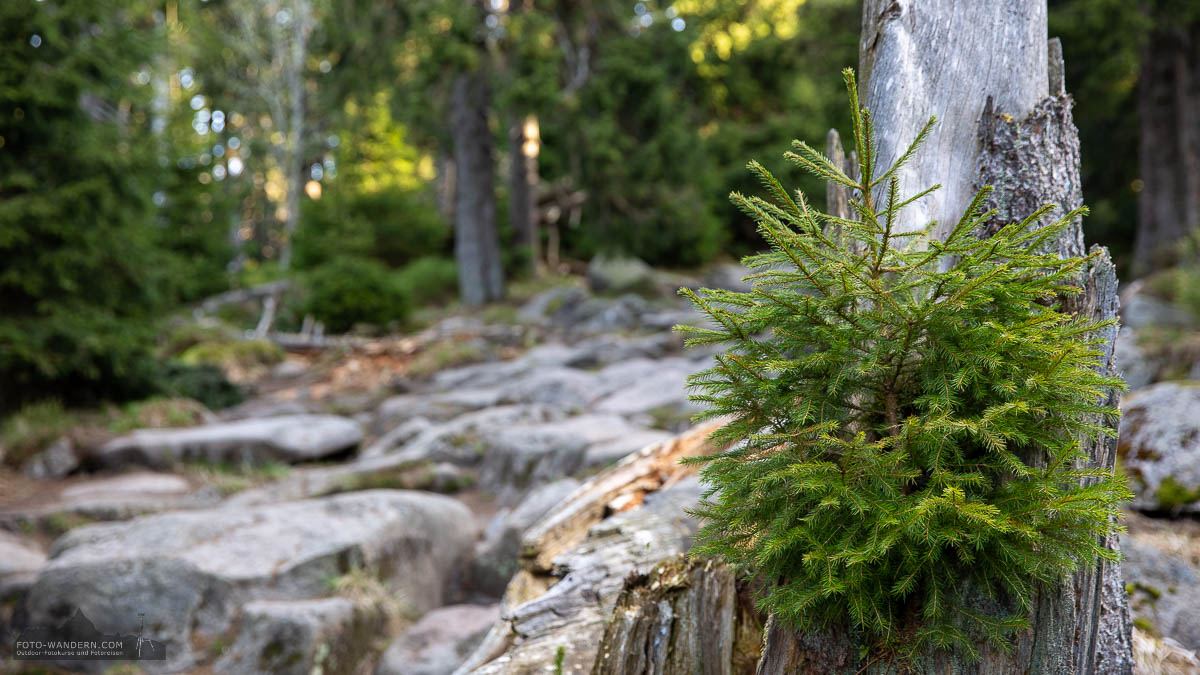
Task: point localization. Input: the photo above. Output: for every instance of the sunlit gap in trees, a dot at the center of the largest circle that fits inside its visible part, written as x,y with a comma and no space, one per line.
644,17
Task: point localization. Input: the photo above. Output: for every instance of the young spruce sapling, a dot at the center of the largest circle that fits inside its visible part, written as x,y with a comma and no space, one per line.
907,416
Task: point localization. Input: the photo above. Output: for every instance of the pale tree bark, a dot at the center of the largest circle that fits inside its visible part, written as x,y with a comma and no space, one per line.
301,26
272,38
944,58
1169,143
476,240
444,183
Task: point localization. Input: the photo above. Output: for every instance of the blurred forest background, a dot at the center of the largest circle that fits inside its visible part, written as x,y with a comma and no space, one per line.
363,161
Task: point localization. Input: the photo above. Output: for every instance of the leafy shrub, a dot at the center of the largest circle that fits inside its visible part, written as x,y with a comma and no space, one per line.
394,225
349,291
430,280
906,420
205,383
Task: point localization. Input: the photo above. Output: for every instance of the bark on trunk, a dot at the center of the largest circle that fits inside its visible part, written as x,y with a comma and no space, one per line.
1169,146
1011,131
476,241
444,183
689,616
293,164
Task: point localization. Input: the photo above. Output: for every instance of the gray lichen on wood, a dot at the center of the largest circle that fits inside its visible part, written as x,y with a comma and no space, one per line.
1031,162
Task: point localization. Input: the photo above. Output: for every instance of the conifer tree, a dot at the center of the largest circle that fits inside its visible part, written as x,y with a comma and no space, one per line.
906,416
80,276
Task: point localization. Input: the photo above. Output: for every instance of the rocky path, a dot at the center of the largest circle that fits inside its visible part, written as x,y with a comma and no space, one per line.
281,537
522,514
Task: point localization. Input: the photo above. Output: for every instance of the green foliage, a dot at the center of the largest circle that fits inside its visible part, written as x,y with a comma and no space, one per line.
203,382
234,354
348,291
1172,494
392,225
906,417
192,228
80,279
157,413
648,177
379,205
430,280
560,656
32,428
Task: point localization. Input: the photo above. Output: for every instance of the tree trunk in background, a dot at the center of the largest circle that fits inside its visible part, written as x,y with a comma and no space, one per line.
444,183
983,68
293,164
1169,147
523,144
476,240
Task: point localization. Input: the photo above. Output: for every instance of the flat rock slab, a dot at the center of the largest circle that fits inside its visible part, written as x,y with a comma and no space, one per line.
519,457
439,642
1142,310
287,438
464,439
299,637
112,498
20,561
141,483
399,410
1159,446
644,386
1164,591
190,572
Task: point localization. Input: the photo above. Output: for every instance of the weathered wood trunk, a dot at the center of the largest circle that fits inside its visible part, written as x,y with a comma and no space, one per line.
476,239
689,616
944,58
988,72
293,163
1169,142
